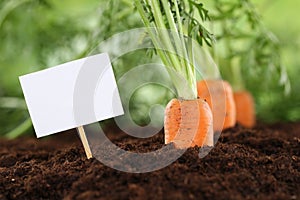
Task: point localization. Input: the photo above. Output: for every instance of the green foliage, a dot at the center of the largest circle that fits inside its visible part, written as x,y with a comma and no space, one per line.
169,23
281,17
187,12
249,49
251,57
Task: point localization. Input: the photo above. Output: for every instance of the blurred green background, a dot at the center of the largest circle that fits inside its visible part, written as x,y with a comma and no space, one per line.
36,34
281,17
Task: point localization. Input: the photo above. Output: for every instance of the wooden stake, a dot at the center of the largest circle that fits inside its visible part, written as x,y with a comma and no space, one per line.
85,142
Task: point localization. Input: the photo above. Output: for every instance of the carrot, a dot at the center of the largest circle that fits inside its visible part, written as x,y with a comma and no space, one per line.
245,108
219,96
188,123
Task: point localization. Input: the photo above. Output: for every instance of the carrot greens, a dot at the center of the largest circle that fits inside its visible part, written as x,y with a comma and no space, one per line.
249,48
170,24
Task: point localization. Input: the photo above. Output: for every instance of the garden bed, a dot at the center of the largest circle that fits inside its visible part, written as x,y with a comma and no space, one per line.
260,163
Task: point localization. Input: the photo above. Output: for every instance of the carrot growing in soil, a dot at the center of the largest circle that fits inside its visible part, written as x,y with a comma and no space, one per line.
188,120
248,53
183,118
244,102
245,106
212,88
219,96
217,92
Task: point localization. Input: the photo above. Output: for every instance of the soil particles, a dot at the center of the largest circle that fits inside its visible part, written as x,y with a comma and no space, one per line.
259,163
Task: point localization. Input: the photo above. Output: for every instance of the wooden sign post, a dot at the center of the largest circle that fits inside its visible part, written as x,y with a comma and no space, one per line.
84,141
51,98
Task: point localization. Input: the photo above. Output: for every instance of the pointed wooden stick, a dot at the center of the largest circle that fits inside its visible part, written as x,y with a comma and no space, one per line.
85,142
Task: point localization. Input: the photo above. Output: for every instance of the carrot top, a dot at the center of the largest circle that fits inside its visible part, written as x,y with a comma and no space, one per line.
250,50
172,28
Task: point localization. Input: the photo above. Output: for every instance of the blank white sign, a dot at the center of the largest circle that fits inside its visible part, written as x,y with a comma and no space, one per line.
73,94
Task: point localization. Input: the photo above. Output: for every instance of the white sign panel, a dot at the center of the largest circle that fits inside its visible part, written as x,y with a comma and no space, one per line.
70,95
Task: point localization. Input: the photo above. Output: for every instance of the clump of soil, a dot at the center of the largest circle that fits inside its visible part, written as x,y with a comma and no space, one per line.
260,163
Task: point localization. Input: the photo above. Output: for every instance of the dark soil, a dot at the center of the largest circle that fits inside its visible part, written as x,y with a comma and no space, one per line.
260,163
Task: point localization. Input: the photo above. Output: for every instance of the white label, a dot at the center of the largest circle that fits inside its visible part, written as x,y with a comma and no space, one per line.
73,94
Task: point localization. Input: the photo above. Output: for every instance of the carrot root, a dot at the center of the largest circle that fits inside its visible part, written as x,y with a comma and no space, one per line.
188,123
219,96
245,108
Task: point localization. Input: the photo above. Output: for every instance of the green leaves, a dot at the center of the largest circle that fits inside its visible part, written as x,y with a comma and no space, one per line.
176,28
200,8
188,12
246,38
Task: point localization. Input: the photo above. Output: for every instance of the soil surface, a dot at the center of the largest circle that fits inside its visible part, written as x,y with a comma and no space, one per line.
259,163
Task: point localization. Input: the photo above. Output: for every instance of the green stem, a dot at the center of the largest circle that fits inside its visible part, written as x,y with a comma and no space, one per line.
150,31
191,69
236,79
180,27
165,36
179,44
189,64
179,69
174,32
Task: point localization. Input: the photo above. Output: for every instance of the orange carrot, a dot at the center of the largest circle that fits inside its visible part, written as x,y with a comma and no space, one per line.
188,123
219,96
245,108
